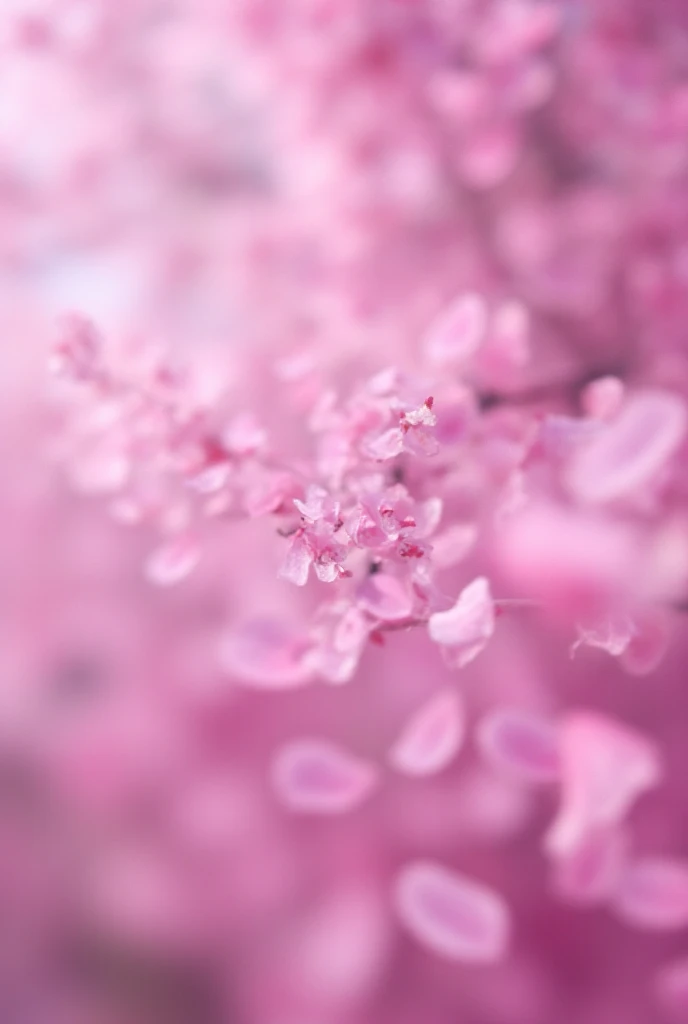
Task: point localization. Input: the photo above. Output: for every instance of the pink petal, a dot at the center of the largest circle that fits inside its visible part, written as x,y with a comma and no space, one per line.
671,987
605,768
603,398
421,442
312,507
452,915
266,654
351,631
432,737
458,332
297,562
653,894
560,436
317,777
631,450
465,629
612,634
521,744
386,446
648,644
591,874
268,490
385,597
173,561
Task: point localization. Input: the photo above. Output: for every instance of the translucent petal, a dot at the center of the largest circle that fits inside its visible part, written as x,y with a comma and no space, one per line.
315,776
521,744
297,562
432,737
452,915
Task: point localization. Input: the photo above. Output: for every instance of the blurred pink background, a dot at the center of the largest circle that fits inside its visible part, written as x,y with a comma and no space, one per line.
344,518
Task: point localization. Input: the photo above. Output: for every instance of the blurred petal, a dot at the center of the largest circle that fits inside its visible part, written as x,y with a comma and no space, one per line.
318,777
631,450
432,737
522,745
452,915
605,768
653,894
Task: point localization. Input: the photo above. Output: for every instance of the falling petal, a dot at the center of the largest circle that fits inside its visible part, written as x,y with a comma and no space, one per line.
590,875
452,915
522,745
318,777
653,894
648,644
605,768
432,737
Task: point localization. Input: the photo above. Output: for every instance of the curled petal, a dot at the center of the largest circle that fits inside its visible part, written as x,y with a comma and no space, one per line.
612,634
318,777
432,737
653,894
522,745
631,450
605,768
465,629
452,915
